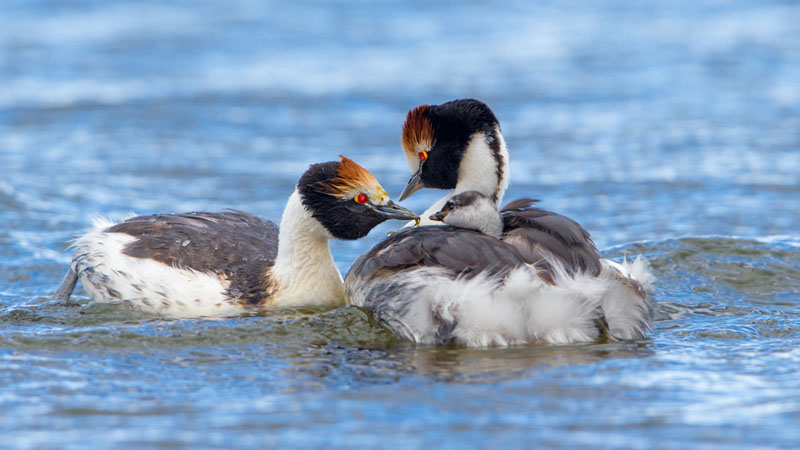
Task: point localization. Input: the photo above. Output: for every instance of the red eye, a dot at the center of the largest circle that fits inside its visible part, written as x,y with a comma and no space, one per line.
361,198
423,156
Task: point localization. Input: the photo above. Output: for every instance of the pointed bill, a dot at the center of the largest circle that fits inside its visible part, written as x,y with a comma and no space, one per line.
392,210
414,184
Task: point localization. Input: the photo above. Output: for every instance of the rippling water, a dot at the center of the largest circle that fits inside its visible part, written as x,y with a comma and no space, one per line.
670,130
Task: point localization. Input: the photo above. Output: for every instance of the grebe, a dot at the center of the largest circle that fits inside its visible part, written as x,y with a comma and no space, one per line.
218,264
460,283
458,145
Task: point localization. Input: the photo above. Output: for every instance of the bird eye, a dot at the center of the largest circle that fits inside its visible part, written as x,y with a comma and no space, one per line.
361,198
423,156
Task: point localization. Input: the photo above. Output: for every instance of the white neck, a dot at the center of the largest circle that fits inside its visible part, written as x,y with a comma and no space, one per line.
477,172
478,169
304,270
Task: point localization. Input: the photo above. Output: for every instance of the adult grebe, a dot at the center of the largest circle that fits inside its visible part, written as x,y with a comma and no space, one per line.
458,145
462,284
217,264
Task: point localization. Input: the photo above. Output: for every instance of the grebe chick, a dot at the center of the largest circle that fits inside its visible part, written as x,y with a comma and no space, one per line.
473,211
218,264
458,145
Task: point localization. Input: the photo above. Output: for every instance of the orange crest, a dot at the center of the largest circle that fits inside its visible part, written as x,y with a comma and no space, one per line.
417,131
350,178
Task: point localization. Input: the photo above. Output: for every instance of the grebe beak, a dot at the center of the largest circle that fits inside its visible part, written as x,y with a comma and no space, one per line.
414,184
438,216
393,211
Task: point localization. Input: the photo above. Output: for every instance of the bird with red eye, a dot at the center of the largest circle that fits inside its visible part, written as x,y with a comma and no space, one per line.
406,280
217,264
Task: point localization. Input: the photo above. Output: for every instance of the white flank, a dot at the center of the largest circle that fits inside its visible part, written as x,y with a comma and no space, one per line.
518,309
110,276
304,272
627,312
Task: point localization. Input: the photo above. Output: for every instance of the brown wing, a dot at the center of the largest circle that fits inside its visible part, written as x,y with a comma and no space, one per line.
236,245
540,235
519,204
462,252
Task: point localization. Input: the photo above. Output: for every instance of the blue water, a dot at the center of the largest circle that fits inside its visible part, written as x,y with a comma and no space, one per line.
670,130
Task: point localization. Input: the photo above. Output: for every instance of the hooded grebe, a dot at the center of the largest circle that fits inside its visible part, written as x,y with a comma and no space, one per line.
217,264
461,283
458,145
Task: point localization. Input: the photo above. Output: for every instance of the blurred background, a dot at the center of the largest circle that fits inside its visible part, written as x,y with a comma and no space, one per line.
642,121
670,129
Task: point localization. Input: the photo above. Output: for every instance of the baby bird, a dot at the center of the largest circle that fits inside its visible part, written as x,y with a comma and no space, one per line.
471,210
220,264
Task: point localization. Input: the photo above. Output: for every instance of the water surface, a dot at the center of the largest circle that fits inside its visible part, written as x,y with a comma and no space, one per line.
668,130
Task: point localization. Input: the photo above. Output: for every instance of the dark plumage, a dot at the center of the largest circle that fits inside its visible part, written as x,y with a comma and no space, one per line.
537,233
530,235
464,253
237,246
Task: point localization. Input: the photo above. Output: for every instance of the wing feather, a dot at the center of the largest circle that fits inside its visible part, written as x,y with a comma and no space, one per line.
235,245
462,252
538,234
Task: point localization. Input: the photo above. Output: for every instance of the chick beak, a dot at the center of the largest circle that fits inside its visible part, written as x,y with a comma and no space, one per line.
393,211
438,216
414,184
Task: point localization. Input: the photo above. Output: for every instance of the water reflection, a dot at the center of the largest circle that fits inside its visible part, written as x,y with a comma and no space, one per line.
491,365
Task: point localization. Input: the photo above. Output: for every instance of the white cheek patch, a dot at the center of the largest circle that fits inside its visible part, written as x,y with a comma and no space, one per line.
412,156
413,161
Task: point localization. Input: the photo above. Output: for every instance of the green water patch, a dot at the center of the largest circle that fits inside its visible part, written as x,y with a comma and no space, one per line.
723,289
55,326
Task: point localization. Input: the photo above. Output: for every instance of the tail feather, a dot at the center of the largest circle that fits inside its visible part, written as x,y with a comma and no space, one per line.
67,285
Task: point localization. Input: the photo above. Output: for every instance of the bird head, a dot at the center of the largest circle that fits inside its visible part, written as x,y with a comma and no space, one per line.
458,141
473,211
346,199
